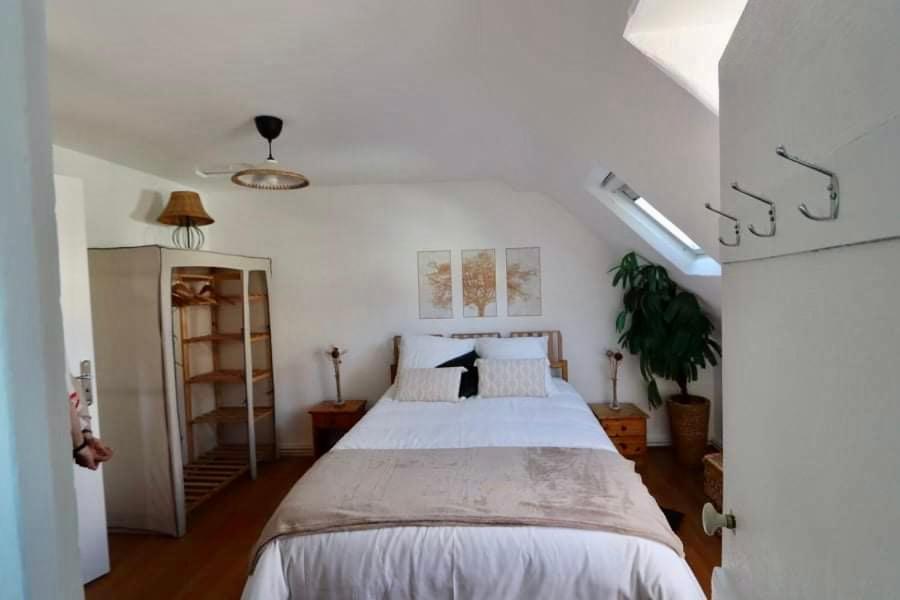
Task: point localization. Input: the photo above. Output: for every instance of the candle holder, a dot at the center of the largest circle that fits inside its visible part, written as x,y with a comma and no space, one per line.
614,359
335,354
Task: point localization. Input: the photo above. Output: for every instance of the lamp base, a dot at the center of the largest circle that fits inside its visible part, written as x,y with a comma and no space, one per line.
188,237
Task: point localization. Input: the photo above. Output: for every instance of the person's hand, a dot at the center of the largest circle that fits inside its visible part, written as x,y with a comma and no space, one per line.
85,458
102,452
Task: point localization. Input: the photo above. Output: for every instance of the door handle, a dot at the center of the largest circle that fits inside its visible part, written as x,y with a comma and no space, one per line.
713,520
87,392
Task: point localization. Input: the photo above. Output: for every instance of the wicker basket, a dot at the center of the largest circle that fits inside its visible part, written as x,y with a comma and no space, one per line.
689,424
713,470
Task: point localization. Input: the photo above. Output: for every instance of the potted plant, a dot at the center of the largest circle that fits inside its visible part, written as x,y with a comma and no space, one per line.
671,334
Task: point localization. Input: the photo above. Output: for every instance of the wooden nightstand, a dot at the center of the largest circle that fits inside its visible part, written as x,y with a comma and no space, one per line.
330,422
626,427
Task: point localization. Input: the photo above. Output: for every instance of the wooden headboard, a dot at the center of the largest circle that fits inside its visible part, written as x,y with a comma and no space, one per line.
554,347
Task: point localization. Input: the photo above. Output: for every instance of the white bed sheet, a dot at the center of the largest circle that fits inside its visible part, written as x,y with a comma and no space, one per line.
473,562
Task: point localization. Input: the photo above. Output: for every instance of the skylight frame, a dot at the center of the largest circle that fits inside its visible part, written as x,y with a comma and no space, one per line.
615,195
668,226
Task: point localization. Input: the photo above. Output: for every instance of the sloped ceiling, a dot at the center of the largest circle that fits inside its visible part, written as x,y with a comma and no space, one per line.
532,92
686,39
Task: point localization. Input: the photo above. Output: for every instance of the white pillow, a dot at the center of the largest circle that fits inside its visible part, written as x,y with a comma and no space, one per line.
428,351
507,378
511,348
429,385
517,348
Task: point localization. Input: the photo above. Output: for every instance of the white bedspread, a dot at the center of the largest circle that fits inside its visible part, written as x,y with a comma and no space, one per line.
473,562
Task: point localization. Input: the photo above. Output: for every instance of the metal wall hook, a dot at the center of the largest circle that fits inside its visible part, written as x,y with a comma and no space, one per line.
834,191
737,227
768,203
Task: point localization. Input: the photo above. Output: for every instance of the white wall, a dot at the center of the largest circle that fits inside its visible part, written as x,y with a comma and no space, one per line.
122,203
344,262
38,530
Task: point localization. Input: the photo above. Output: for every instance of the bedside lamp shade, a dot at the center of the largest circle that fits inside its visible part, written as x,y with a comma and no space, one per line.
186,212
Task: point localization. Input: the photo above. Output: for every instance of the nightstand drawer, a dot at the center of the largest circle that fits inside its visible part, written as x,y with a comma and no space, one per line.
330,421
616,428
631,447
336,420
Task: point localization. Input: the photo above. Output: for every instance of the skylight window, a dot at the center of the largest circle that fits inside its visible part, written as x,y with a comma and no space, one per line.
650,224
666,224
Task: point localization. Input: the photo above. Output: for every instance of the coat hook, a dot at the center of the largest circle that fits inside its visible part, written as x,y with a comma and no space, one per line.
834,192
737,228
768,203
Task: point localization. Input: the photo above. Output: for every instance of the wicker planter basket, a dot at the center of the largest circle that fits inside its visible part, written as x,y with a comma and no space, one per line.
689,424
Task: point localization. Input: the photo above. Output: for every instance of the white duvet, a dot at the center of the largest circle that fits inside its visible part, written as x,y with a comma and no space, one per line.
473,562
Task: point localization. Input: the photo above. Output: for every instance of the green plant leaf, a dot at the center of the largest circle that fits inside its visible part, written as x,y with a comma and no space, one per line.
663,324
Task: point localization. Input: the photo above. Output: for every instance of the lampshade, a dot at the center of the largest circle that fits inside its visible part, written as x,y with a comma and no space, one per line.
185,208
268,176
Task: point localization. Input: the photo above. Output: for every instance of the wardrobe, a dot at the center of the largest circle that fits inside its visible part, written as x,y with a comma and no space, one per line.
184,362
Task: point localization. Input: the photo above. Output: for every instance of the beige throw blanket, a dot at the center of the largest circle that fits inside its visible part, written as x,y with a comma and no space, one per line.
576,488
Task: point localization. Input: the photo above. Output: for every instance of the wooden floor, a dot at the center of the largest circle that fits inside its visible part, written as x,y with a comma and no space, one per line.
211,560
678,488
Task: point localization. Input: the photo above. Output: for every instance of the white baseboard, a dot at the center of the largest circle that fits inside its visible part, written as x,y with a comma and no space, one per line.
658,440
295,450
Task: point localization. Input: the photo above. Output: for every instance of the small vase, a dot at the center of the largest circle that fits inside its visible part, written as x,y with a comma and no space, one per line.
614,405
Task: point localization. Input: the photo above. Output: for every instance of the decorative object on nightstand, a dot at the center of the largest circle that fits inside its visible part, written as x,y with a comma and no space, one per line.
671,333
336,353
614,359
330,421
625,426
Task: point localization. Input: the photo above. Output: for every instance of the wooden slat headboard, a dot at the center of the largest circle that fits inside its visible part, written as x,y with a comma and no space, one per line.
554,342
554,347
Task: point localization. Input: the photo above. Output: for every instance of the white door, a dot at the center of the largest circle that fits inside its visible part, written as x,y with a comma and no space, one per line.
77,329
812,335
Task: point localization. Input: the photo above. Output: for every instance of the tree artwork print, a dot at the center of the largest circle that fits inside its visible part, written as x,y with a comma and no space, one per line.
479,279
435,285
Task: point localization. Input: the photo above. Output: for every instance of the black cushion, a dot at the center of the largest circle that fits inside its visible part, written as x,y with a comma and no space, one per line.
468,383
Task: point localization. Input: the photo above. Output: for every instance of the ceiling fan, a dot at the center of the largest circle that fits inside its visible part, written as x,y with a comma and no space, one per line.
267,175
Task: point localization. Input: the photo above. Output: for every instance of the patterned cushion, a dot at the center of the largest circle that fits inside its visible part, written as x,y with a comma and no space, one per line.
507,378
428,385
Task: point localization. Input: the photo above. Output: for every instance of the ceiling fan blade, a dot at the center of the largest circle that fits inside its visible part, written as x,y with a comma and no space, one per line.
220,170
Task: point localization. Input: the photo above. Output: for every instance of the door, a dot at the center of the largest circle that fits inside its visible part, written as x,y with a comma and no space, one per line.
810,318
79,342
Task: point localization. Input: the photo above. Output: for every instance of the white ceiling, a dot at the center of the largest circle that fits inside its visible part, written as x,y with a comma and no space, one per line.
686,39
532,92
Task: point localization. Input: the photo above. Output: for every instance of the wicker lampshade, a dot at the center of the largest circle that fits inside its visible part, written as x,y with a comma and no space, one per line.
185,208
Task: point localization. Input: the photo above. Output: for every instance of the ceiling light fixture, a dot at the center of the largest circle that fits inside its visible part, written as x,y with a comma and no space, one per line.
268,175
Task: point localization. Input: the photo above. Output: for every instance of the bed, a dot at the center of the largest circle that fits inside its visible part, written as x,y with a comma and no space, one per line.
473,561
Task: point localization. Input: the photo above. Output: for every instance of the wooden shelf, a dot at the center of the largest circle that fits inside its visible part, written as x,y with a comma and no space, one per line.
237,299
210,473
194,302
221,276
230,376
206,476
256,336
233,414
